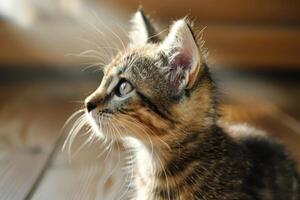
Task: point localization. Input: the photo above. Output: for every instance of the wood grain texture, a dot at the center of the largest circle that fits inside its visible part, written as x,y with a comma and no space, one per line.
30,123
229,46
250,33
227,11
88,172
252,46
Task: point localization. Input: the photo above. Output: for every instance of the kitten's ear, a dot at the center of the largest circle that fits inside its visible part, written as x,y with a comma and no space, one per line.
142,30
185,60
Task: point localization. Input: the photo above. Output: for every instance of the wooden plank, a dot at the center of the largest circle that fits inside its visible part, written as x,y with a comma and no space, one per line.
230,46
88,172
29,126
240,45
228,11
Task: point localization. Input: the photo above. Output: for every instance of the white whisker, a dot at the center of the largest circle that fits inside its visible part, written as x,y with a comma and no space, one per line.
68,122
101,33
109,29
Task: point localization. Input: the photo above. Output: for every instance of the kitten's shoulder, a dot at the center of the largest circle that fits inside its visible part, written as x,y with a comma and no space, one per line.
271,165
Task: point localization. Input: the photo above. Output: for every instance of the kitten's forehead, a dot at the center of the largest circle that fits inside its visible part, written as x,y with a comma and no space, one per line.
134,58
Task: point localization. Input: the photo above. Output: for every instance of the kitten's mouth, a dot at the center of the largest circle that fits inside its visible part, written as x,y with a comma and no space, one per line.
102,122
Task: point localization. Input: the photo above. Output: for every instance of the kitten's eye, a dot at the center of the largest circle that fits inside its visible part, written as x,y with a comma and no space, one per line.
124,87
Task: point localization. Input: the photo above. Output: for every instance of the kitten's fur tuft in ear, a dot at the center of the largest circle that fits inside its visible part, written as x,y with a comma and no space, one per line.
142,30
181,47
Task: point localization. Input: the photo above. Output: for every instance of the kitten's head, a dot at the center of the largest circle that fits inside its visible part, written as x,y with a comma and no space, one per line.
155,87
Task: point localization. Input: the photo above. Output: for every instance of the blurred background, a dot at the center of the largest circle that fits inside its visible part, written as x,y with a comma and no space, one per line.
50,53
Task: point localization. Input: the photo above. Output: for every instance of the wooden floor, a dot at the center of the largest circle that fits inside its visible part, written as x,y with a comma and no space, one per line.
33,166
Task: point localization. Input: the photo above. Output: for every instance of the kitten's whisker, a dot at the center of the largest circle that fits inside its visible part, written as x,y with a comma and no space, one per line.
159,33
91,65
74,131
89,52
110,30
83,144
106,56
93,137
101,33
111,151
107,147
110,144
100,47
75,114
112,132
71,118
85,56
109,52
122,29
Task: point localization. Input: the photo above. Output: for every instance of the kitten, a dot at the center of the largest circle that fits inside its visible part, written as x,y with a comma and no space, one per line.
158,97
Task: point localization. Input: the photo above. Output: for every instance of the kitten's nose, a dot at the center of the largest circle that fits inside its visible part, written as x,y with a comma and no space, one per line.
90,106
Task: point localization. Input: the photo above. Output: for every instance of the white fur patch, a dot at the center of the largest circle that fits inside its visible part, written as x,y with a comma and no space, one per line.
239,131
145,164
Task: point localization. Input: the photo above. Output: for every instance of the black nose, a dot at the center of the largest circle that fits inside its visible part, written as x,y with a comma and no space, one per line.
90,106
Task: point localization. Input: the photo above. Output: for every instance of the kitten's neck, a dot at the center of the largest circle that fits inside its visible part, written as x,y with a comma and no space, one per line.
158,165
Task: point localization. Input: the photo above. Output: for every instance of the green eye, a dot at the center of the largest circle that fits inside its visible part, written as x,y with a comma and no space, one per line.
123,88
